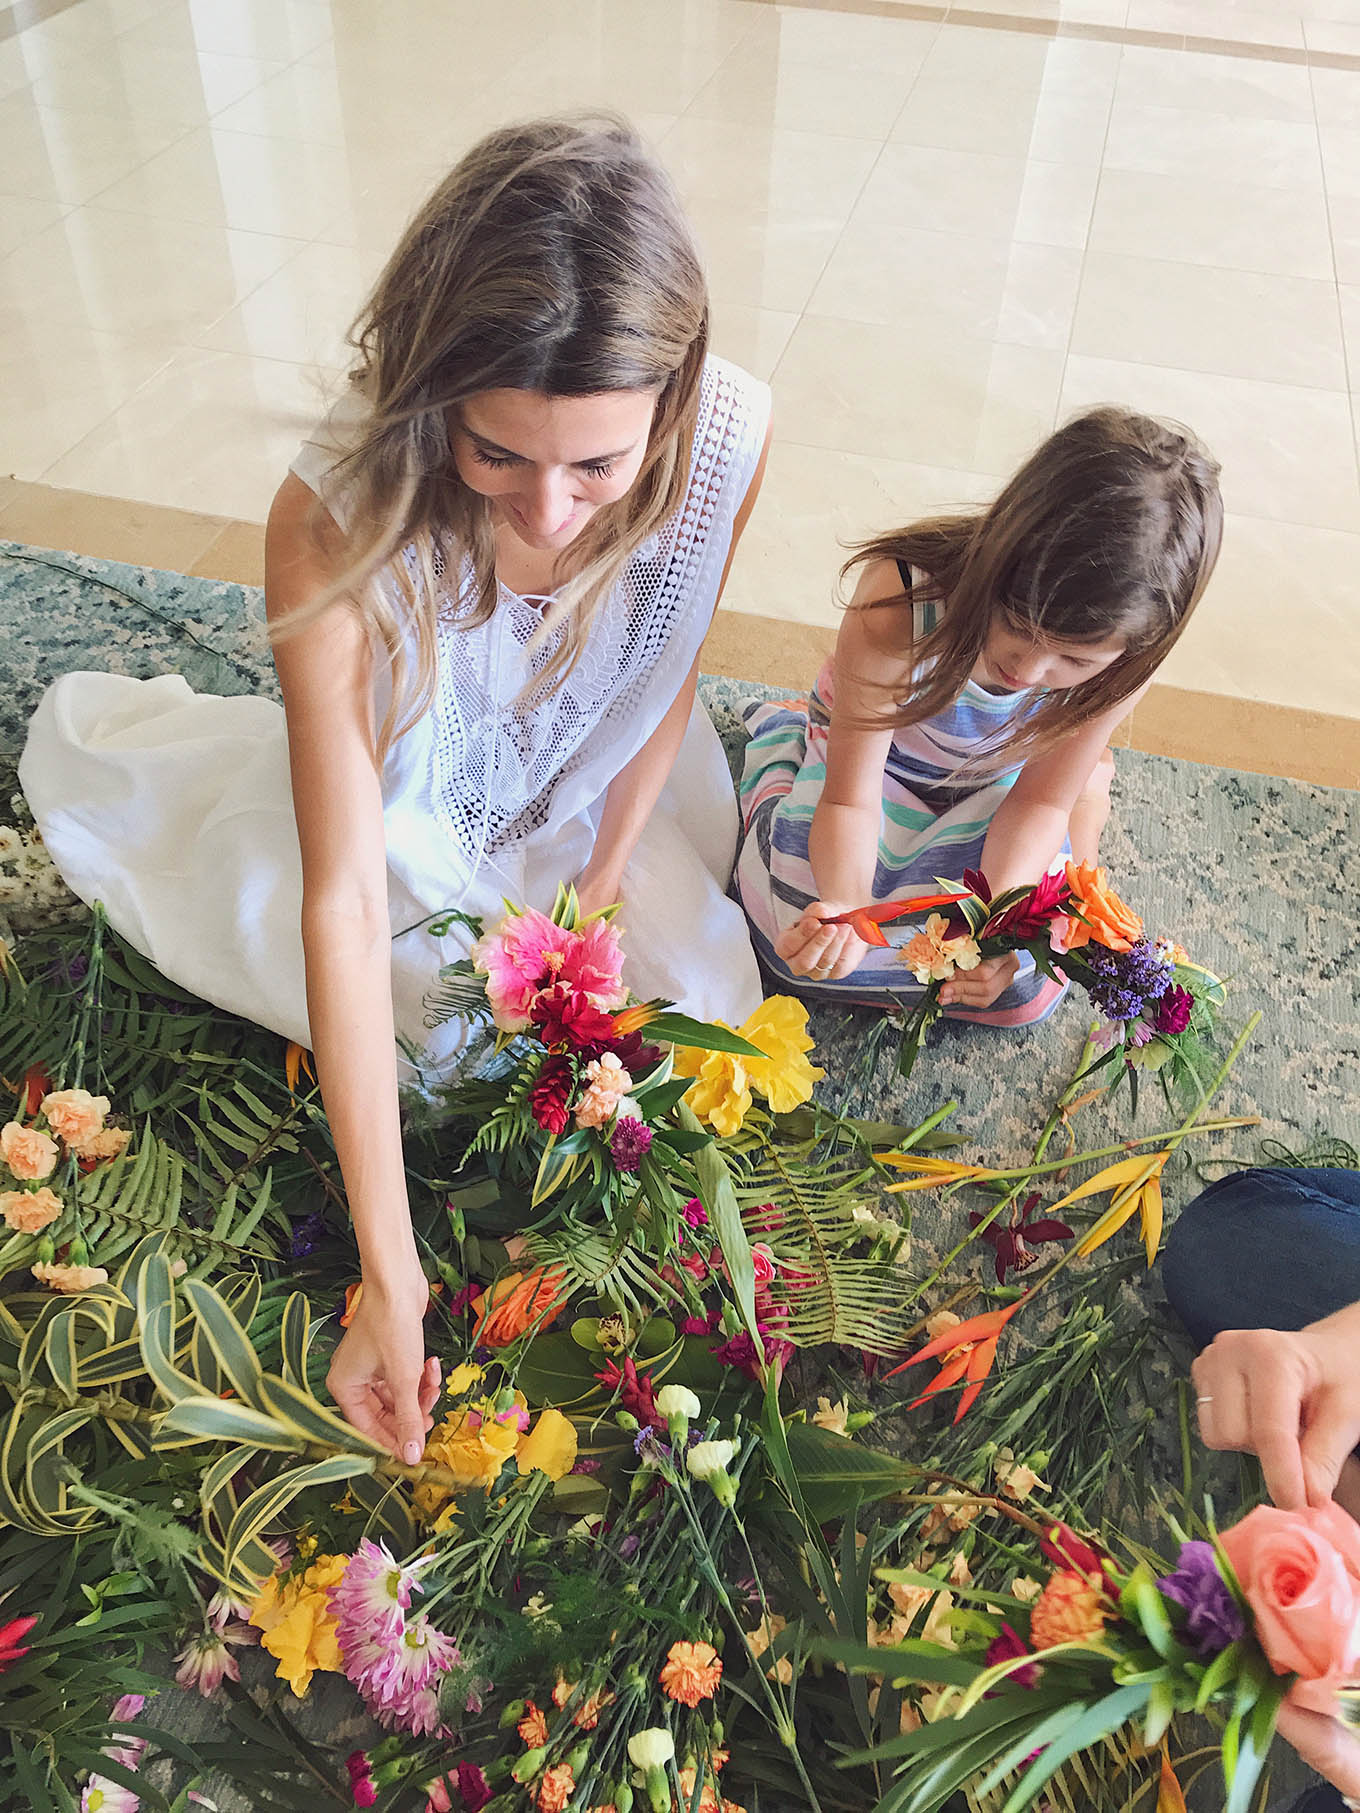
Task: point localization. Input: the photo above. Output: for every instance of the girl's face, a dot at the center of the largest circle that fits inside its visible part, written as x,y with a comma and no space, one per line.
1015,657
549,463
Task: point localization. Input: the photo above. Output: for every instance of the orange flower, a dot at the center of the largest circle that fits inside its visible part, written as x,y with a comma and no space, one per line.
29,1211
516,1302
691,1672
633,1019
109,1142
1069,1610
867,920
966,1352
75,1115
1136,1189
1104,917
533,1727
353,1292
933,1171
28,1153
562,1692
556,1789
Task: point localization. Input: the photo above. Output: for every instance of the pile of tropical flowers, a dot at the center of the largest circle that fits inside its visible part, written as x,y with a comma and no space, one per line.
1266,1611
64,1134
1156,1005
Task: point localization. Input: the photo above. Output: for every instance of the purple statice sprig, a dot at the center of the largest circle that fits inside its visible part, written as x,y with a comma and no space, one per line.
1213,1618
1124,984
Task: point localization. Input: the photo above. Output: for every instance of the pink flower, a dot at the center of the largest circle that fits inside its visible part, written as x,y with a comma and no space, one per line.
28,1153
398,1675
526,954
764,1262
607,1082
205,1661
373,1594
1300,1574
101,1795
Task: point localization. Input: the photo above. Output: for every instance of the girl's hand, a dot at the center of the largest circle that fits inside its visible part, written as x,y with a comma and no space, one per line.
825,952
981,986
1325,1745
379,1375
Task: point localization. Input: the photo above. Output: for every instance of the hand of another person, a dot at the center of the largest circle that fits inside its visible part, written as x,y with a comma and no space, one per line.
1291,1399
1325,1744
379,1375
825,952
593,892
981,986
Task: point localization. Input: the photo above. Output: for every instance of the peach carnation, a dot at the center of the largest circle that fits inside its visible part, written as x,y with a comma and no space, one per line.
556,1788
691,1672
75,1115
70,1280
109,1142
608,1082
1069,1610
29,1211
28,1153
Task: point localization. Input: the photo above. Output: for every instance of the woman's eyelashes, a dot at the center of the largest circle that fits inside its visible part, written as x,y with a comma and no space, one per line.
498,463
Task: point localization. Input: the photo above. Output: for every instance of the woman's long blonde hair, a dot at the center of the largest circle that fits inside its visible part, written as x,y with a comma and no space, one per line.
554,258
1109,530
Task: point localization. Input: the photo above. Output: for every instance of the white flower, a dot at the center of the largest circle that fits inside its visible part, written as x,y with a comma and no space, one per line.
831,1416
865,1217
705,1459
677,1401
651,1749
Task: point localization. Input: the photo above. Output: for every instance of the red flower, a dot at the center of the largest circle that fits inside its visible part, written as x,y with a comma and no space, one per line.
37,1083
977,881
965,1351
636,1391
1066,1549
472,1787
1032,915
550,1094
867,921
1014,1242
1006,1648
566,1020
12,1645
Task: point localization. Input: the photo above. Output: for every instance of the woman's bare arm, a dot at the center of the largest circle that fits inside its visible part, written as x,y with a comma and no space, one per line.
379,1375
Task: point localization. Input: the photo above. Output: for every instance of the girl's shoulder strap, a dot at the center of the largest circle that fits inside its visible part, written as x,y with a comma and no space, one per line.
925,612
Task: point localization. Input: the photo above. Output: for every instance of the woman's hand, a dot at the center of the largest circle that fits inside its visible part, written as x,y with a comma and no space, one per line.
379,1375
827,953
596,891
981,986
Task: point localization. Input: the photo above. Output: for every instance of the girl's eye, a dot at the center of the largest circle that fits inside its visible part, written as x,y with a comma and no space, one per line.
598,471
490,459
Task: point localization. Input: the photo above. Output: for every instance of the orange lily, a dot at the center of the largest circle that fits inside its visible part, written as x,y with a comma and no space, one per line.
867,920
296,1058
933,1171
633,1019
1170,1798
966,1352
1136,1184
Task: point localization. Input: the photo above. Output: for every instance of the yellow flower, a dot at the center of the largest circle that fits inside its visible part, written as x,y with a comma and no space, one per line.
550,1447
760,1640
831,1416
722,1091
931,1171
298,1625
462,1379
1136,1189
471,1445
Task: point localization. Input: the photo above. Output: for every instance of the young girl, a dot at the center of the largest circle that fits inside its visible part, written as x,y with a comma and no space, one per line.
489,577
964,718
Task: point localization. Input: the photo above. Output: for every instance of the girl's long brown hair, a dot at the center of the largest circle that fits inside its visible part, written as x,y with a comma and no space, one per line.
553,258
1109,530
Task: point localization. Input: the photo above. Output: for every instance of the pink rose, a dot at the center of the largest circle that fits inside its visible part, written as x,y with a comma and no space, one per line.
1300,1572
75,1115
29,1211
763,1260
28,1153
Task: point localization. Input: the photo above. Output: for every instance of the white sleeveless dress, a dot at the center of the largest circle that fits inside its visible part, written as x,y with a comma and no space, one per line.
174,808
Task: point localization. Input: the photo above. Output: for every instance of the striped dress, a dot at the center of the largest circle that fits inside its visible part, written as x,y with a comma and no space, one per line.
933,827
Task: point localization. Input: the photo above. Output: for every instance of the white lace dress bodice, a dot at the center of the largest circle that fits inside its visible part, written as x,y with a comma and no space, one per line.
175,809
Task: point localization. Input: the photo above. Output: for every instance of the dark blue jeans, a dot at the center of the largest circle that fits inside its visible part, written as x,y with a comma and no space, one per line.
1265,1249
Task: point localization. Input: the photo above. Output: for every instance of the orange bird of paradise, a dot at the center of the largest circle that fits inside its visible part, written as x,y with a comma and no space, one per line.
868,921
966,1352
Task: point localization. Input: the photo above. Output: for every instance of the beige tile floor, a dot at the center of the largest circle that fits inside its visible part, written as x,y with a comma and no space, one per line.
935,231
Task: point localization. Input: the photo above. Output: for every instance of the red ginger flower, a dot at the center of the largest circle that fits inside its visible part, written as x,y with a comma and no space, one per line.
636,1391
1065,1549
966,1351
567,1020
12,1645
550,1094
1032,915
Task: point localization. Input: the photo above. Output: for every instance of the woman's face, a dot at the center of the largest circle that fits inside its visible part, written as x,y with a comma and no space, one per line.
1015,657
549,463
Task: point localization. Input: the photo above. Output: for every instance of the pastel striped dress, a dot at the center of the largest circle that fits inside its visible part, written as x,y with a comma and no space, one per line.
933,827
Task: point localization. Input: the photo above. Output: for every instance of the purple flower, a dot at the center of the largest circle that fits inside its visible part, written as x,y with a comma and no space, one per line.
306,1234
586,1465
1173,1010
472,1787
631,1143
1006,1648
694,1214
629,1547
1123,983
1213,1617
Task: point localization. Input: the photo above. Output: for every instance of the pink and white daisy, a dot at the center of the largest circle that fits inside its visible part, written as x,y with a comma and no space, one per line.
399,1679
373,1596
205,1661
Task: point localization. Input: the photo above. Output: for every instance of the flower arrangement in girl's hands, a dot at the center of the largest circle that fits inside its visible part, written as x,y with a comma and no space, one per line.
1156,1005
1266,1613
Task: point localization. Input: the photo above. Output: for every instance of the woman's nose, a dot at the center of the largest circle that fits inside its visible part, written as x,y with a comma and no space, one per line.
549,503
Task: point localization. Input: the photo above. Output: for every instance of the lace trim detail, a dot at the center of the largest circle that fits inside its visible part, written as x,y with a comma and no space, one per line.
497,770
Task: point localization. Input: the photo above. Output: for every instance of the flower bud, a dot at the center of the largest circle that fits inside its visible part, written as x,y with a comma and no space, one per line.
512,1714
626,1420
529,1765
